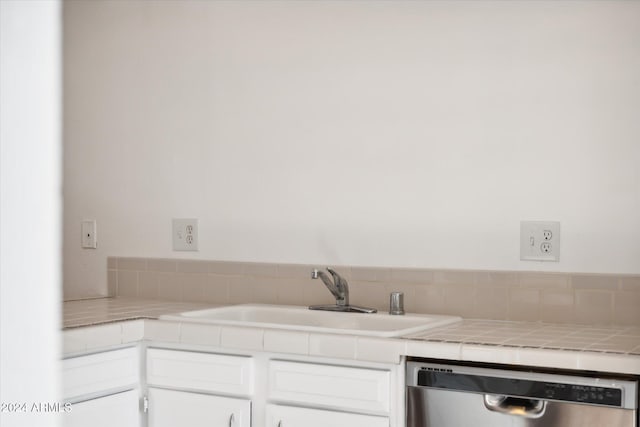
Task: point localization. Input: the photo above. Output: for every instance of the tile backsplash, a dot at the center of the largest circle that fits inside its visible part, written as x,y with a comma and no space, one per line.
595,299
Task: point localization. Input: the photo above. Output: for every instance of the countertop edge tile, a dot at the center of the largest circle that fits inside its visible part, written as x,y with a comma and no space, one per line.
548,358
385,350
199,334
464,342
240,338
434,350
283,341
625,363
162,330
333,345
132,331
74,341
489,353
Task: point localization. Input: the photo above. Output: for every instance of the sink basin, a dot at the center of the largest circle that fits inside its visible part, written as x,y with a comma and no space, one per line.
303,319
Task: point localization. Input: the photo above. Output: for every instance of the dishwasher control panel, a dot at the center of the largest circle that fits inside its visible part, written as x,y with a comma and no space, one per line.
590,394
518,387
531,385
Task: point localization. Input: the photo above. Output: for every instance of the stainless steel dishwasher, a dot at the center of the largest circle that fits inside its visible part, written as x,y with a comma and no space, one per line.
443,395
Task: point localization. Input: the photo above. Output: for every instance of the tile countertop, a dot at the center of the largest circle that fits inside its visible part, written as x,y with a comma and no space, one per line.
107,310
91,325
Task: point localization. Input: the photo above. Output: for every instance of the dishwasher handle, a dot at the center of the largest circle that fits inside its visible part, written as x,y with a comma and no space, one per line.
522,407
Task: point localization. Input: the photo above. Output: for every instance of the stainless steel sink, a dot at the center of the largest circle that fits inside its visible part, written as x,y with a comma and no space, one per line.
303,319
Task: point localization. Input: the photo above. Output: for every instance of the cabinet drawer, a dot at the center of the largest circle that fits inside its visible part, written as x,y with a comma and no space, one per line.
116,369
338,387
288,416
200,371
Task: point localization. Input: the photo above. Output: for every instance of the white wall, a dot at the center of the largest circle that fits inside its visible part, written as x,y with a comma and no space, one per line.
365,133
30,204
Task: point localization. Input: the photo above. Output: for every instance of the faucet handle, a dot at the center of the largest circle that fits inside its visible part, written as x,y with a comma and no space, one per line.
314,273
337,279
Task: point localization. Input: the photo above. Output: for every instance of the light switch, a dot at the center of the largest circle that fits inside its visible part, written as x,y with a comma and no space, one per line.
89,239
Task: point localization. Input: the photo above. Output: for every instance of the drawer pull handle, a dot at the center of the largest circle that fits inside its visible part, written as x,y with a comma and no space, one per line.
232,420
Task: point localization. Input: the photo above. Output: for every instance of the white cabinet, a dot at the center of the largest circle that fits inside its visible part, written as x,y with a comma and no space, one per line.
172,408
193,388
102,388
120,409
192,384
289,416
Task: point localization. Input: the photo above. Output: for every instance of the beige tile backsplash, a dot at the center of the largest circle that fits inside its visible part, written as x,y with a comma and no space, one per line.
595,299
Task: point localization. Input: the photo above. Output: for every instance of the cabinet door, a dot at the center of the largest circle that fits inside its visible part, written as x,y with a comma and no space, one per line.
114,410
289,416
171,408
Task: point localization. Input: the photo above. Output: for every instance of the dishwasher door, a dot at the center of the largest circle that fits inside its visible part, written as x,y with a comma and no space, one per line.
443,408
454,396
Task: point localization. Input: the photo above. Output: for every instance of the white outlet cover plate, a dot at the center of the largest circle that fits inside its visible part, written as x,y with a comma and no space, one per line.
185,234
536,234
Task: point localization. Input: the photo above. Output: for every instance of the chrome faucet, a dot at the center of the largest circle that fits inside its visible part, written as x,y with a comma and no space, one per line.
339,288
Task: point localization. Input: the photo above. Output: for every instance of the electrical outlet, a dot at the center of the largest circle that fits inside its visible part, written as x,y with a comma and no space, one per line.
185,234
540,241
